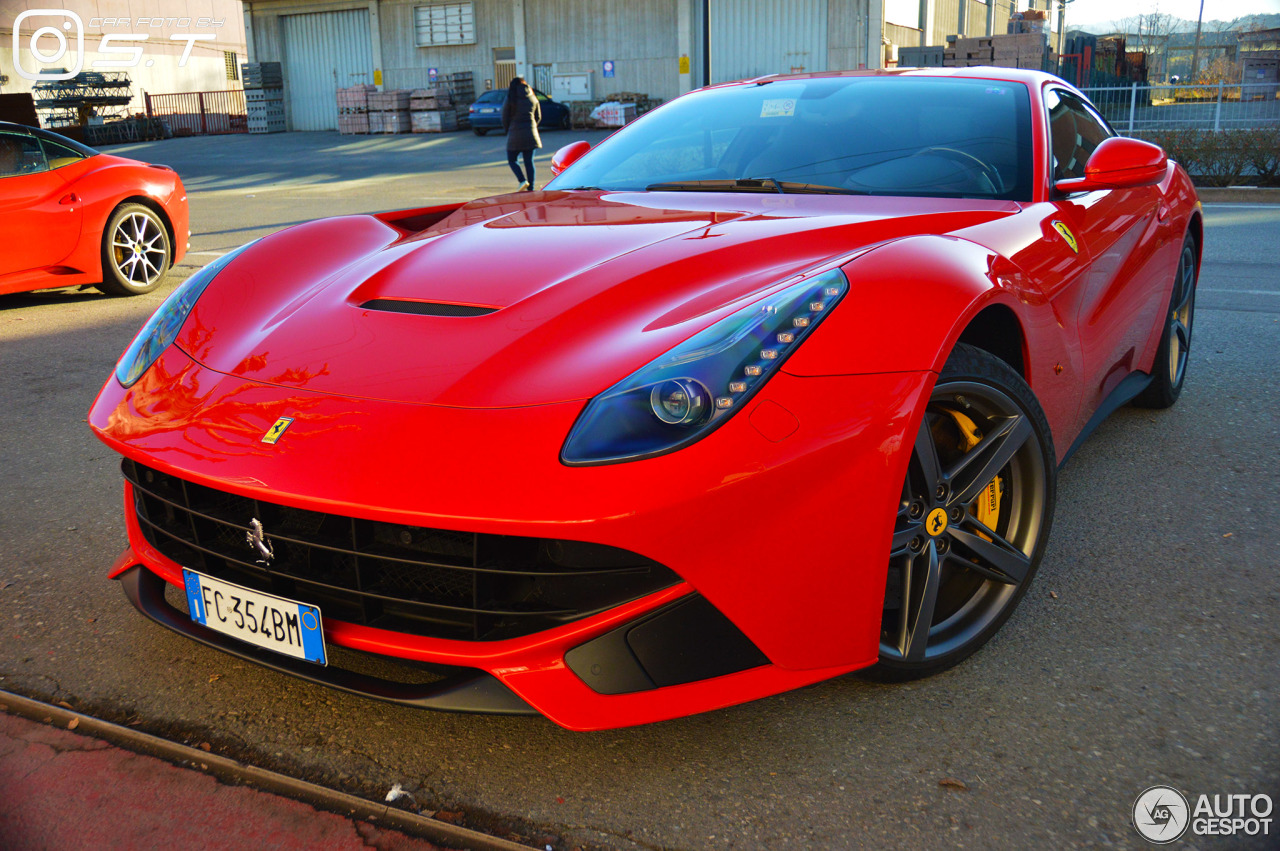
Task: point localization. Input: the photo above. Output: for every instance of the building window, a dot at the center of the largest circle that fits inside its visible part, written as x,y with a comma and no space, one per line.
444,23
233,69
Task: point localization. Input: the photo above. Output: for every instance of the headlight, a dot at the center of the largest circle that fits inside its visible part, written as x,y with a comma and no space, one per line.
163,326
688,392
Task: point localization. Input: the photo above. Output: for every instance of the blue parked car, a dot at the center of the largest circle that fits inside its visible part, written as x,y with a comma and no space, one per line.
486,112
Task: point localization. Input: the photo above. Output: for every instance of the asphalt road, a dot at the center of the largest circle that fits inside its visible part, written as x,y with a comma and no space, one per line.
1146,652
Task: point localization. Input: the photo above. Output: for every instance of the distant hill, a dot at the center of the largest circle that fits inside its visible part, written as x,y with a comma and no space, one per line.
1266,22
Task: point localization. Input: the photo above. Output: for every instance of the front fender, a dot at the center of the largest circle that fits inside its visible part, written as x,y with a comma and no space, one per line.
908,303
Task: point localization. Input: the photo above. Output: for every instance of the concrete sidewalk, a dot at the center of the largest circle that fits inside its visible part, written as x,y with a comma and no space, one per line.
72,781
63,790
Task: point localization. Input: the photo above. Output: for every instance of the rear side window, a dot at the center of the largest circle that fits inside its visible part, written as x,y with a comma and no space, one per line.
492,97
1075,131
60,155
20,154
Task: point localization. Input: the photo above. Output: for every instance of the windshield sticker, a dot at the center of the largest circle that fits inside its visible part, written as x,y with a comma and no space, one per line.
996,90
778,108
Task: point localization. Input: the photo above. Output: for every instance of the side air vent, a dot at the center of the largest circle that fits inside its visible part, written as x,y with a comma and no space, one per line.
426,308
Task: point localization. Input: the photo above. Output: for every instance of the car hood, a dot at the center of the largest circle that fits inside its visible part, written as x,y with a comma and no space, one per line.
582,287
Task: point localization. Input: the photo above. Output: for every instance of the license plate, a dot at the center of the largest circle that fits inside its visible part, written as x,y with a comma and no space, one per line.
275,623
488,110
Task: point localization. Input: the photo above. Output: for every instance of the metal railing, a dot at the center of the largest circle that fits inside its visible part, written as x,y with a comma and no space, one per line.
1219,106
200,113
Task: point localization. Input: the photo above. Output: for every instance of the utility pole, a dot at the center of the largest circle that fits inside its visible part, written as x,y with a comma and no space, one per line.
1195,51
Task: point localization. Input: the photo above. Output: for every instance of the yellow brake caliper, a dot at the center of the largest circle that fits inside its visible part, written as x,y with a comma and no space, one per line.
987,506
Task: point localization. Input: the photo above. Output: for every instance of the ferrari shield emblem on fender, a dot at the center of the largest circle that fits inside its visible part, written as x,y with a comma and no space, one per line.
1067,235
277,429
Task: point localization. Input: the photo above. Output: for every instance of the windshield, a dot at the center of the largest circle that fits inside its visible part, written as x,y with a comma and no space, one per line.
931,136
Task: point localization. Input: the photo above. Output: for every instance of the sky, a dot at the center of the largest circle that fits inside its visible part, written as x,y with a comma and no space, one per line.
1100,11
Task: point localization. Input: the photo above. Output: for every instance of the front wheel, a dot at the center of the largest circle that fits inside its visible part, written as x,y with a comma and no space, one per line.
973,519
480,131
135,251
1170,369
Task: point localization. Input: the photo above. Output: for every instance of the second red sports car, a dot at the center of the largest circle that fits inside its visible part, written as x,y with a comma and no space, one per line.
70,215
771,386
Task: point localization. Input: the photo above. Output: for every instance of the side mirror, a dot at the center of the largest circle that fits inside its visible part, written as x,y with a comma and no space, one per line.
567,156
1119,163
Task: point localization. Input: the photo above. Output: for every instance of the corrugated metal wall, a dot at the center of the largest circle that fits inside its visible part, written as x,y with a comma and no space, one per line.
405,65
847,25
751,38
639,36
323,51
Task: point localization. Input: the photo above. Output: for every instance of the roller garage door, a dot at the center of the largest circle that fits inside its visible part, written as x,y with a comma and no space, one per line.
322,52
751,38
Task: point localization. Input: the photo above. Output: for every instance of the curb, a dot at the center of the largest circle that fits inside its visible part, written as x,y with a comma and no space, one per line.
229,770
1238,195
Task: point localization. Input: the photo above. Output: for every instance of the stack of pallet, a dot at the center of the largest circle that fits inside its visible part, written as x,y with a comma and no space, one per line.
431,111
263,96
389,112
353,109
967,52
462,89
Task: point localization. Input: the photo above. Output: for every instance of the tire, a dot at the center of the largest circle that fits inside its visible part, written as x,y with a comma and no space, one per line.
953,578
480,131
136,251
1172,355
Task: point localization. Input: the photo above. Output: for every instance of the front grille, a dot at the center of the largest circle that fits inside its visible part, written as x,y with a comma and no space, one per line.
429,582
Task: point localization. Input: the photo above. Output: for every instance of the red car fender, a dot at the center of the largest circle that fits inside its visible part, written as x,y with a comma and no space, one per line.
908,303
102,189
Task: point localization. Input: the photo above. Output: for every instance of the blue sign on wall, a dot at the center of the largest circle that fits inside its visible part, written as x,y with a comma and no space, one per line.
608,67
432,73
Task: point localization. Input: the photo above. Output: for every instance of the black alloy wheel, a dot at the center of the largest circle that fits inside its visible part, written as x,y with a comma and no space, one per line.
973,519
1170,368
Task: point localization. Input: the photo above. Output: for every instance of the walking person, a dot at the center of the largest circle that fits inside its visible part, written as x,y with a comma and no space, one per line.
520,117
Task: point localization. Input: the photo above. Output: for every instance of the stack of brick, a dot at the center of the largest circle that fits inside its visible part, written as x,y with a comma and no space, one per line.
432,111
967,52
1021,50
389,112
353,109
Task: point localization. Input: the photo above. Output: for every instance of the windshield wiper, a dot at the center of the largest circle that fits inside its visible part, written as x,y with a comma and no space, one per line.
763,184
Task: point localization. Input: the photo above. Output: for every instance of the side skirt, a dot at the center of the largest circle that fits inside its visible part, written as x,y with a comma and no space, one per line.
1133,384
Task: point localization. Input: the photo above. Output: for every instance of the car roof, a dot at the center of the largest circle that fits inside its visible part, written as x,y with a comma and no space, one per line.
1031,78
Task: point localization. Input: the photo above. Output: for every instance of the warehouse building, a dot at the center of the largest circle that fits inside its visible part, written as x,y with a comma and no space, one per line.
570,49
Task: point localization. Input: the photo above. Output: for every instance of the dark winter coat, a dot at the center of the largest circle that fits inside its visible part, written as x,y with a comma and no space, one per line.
520,118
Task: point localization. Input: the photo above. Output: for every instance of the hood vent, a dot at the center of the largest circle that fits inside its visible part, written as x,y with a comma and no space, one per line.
426,308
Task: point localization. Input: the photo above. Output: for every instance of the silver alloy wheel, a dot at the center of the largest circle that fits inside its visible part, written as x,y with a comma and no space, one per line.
139,250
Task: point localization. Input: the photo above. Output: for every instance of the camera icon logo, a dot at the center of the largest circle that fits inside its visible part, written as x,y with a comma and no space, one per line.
63,23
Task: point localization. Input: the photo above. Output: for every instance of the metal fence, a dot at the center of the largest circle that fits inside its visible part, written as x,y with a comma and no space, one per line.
1221,106
200,113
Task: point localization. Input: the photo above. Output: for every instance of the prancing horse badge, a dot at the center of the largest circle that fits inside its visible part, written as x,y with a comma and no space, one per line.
1067,235
277,429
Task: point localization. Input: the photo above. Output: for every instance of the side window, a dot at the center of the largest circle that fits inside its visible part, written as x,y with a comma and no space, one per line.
20,155
60,155
1074,132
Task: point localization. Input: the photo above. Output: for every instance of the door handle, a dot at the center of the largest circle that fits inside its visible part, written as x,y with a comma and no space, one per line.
1163,212
69,198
